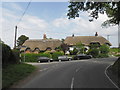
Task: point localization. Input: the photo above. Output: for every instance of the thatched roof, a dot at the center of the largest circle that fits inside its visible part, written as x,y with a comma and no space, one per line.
42,44
86,40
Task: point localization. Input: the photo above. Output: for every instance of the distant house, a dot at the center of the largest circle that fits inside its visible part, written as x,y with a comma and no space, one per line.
37,45
71,41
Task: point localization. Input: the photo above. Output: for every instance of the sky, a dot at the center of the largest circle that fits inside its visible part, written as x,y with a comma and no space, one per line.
50,18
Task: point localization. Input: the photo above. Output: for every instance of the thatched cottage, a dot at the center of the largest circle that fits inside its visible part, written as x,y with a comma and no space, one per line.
86,40
37,45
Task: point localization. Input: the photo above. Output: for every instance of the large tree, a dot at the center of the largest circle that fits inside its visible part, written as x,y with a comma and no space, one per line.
80,47
112,9
21,40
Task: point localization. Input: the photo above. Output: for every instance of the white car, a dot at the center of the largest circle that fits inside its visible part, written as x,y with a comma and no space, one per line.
64,58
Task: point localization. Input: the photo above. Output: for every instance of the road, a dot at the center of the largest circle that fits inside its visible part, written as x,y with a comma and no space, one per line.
88,73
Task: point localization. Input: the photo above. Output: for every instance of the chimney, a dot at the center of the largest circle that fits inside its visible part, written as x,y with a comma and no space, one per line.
96,34
44,36
73,35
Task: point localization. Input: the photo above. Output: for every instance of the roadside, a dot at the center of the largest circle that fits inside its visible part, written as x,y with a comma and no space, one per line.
14,73
113,72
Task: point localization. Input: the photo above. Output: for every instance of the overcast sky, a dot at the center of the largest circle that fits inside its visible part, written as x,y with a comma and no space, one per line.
50,18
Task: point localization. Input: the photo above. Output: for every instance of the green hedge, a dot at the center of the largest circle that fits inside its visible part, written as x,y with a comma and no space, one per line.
103,55
30,57
94,52
16,55
9,56
56,54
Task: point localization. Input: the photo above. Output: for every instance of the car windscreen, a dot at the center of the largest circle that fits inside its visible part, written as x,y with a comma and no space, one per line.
62,56
43,58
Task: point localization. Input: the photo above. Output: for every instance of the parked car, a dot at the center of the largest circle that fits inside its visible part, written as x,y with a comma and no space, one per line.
64,58
82,56
44,59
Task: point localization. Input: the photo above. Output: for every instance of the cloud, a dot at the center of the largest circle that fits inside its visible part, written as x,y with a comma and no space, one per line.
34,27
32,22
30,25
82,26
12,5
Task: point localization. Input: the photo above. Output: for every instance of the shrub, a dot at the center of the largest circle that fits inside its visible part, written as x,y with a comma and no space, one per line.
6,53
15,55
56,54
74,52
30,57
103,55
104,49
9,56
94,52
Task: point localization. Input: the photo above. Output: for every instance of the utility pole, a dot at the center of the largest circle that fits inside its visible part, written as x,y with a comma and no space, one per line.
15,37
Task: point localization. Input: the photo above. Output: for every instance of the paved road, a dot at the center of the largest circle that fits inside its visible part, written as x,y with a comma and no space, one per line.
87,73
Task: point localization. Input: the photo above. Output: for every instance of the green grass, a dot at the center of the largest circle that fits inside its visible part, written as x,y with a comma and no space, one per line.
114,50
13,73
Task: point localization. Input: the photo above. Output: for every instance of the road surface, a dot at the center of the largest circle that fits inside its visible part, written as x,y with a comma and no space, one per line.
88,73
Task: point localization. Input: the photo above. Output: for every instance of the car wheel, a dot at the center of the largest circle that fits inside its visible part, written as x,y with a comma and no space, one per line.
59,60
38,61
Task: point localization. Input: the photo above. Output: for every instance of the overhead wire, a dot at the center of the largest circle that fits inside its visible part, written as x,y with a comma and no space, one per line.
24,13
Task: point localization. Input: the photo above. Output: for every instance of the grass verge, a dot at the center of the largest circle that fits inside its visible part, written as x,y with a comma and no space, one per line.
13,73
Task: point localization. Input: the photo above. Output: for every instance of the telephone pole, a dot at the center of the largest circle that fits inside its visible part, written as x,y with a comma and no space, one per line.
15,37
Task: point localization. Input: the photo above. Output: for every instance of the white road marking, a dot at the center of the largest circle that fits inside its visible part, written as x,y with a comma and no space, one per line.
48,68
72,83
77,69
109,77
43,69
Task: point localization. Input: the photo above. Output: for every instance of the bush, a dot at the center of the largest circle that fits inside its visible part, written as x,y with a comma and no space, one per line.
104,49
103,55
6,53
56,54
9,56
30,57
15,55
74,52
94,52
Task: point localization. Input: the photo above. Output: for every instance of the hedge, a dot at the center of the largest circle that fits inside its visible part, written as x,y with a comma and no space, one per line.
103,55
56,54
9,56
30,57
94,52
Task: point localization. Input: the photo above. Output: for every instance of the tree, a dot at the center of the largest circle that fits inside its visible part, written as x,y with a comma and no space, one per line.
74,52
80,47
104,49
21,40
94,52
112,9
62,40
1,41
64,47
94,45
